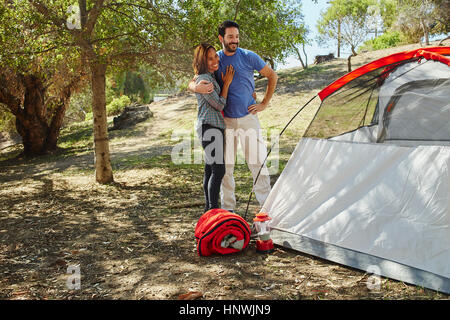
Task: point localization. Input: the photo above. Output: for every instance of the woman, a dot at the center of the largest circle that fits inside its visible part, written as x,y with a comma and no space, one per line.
211,125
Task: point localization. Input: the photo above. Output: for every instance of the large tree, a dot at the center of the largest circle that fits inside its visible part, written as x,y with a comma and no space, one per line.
36,80
266,26
388,10
277,26
112,34
421,18
104,34
346,22
329,24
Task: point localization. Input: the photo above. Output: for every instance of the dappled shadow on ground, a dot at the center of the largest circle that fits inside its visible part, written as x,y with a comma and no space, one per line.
133,239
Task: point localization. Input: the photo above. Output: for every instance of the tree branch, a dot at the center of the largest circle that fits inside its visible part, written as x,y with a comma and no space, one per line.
114,37
41,8
37,52
149,7
236,10
83,13
93,16
12,102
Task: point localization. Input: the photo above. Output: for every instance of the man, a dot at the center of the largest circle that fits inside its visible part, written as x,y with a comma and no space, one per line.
240,112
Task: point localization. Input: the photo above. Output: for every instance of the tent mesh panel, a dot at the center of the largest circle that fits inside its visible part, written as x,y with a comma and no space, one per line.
418,110
351,107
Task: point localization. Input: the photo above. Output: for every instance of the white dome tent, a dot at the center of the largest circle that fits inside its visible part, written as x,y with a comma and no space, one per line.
375,193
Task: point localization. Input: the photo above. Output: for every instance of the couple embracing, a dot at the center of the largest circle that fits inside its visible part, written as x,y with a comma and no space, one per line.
227,113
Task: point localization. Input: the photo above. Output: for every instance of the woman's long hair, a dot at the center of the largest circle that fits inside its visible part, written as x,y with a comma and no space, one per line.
200,63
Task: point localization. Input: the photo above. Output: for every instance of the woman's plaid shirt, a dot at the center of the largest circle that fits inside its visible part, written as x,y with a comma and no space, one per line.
210,105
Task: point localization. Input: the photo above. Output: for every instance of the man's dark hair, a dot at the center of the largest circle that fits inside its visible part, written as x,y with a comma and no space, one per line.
227,24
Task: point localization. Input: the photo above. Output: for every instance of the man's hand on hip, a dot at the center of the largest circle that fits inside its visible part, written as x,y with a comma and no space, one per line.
255,108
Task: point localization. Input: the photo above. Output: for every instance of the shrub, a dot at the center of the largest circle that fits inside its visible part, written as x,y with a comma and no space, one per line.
116,106
88,116
7,120
80,104
386,40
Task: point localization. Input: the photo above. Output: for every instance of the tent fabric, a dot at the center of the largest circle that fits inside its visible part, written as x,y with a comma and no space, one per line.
368,185
423,109
435,53
381,200
410,112
363,134
433,56
419,90
421,113
368,134
219,231
359,260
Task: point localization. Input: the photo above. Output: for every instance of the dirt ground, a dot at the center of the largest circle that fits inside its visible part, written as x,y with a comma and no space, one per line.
134,239
131,240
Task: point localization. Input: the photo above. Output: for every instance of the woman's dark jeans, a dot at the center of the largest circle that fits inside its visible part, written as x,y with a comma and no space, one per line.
213,145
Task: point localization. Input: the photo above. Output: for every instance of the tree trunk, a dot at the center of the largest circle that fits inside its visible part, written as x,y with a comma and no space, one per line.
31,123
299,57
349,62
236,10
339,39
270,60
306,56
103,170
425,31
32,118
33,135
442,41
56,124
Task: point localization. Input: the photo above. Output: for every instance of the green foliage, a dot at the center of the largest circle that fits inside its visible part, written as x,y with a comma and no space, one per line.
127,34
7,120
388,11
29,46
123,35
269,27
28,43
421,18
134,84
441,15
80,104
111,91
346,21
89,116
387,40
184,85
148,46
275,27
117,105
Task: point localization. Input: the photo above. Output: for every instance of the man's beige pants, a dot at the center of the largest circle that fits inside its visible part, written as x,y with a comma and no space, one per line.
247,131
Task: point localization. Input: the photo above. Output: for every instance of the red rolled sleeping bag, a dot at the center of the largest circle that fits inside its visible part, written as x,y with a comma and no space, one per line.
220,231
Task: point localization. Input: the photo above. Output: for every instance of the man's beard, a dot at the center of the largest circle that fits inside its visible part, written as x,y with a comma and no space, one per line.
229,48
